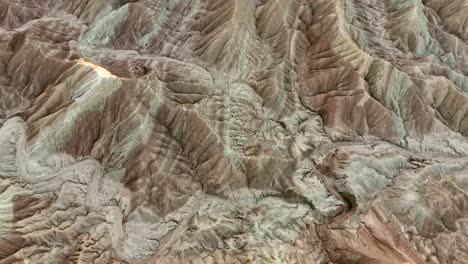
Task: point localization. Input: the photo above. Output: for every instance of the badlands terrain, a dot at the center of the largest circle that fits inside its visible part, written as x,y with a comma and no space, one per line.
234,131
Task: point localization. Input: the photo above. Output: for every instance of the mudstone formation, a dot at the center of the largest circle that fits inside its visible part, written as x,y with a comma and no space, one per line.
234,131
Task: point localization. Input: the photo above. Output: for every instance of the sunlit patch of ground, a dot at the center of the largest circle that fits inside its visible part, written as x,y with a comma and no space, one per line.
100,70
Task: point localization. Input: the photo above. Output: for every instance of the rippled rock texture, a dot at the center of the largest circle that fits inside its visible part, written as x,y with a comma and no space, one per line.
234,131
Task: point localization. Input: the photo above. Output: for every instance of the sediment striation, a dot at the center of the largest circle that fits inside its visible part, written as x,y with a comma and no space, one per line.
234,131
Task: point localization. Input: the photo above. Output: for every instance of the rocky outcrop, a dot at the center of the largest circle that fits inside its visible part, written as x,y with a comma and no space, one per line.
210,131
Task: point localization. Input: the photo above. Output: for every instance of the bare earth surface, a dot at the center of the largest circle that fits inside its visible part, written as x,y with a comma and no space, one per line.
234,131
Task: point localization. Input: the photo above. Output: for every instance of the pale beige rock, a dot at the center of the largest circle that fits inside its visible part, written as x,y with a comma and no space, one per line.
211,131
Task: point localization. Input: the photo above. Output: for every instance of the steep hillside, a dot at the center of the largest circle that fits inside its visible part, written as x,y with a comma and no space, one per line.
234,131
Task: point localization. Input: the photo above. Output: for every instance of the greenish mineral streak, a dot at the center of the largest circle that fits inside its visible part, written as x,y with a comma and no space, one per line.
460,80
281,80
398,85
362,37
159,22
104,31
6,210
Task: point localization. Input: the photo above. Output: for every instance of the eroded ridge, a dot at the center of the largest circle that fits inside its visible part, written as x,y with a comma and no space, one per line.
240,131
